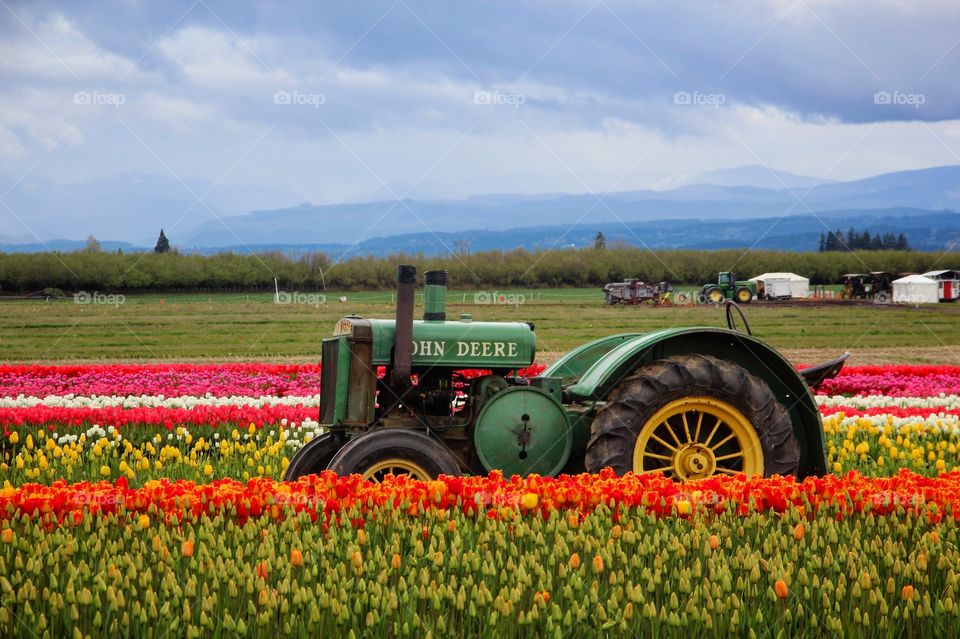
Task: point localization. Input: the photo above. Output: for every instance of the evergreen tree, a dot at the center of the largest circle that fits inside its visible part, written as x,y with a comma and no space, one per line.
822,245
600,242
163,244
902,244
92,245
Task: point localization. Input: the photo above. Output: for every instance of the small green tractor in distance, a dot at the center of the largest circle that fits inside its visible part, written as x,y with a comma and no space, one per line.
687,402
727,288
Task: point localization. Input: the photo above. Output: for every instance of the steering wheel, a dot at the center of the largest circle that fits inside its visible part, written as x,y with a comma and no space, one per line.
731,321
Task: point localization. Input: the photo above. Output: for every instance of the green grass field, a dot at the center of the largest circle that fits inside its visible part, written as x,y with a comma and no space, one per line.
186,327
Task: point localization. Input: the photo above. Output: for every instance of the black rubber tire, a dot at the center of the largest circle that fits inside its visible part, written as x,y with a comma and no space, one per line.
747,298
313,457
375,446
614,431
707,293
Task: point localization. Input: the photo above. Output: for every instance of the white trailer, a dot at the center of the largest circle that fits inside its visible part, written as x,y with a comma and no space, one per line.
776,288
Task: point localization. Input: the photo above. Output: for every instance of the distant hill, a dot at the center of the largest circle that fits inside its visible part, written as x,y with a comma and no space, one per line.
933,189
926,231
710,210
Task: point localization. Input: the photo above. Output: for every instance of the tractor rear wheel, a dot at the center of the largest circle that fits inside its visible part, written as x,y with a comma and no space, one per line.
394,451
713,295
314,456
744,295
690,417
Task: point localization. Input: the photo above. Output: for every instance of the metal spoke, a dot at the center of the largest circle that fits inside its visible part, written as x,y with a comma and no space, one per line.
655,456
654,436
686,426
713,432
696,437
727,471
670,430
724,441
730,456
660,470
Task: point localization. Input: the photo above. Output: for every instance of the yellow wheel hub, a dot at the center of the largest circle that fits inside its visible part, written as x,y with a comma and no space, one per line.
744,295
379,471
715,296
696,437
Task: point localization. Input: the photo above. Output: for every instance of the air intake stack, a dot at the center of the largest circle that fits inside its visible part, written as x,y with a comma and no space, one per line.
435,296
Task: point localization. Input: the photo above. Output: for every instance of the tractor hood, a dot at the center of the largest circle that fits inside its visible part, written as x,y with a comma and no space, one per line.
455,344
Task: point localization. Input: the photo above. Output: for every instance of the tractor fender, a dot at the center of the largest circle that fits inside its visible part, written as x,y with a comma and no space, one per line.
760,359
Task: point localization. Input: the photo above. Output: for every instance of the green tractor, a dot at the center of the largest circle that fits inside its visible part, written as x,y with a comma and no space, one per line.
687,402
727,288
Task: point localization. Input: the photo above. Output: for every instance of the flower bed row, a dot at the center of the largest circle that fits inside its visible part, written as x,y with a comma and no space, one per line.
483,556
176,380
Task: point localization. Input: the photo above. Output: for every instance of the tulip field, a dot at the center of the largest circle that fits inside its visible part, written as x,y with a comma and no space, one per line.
144,500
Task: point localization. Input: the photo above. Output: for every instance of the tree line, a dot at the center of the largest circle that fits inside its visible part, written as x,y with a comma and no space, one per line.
855,240
24,273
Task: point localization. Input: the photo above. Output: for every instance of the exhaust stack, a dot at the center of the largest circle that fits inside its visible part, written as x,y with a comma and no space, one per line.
403,334
435,296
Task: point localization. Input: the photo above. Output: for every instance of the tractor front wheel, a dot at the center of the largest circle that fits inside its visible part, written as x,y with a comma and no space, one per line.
744,295
394,451
690,417
713,295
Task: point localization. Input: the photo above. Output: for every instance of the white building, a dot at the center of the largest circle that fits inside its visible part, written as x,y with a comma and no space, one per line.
799,286
949,281
916,289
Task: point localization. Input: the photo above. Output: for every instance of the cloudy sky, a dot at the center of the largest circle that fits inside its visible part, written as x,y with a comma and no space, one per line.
329,102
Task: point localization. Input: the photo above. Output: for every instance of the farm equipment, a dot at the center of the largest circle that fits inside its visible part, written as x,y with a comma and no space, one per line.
876,285
727,288
689,402
633,291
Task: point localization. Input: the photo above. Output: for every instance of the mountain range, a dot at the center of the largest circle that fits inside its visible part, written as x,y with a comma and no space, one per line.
739,207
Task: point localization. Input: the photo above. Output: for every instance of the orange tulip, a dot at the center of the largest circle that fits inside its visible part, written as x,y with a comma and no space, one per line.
780,587
396,562
907,592
798,531
574,561
186,548
296,558
262,570
714,542
7,536
597,563
356,559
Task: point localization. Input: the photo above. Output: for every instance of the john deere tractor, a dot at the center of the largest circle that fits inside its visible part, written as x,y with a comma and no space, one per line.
441,396
727,288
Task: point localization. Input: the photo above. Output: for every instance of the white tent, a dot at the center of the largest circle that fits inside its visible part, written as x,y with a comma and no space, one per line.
799,285
916,289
